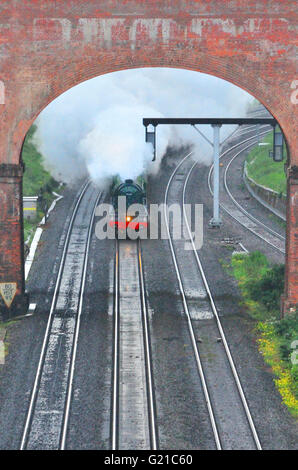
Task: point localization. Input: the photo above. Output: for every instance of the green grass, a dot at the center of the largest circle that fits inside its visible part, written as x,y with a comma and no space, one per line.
36,177
29,229
261,286
263,170
37,180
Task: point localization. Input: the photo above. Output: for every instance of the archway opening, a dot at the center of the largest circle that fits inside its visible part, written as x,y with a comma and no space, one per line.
95,130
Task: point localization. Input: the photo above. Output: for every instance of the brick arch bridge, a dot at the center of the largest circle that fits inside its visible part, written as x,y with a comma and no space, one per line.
47,47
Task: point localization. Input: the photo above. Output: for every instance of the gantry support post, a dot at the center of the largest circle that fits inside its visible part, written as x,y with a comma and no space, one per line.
216,220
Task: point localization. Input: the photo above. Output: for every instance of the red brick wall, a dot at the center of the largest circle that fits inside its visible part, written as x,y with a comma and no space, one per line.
11,235
290,298
47,47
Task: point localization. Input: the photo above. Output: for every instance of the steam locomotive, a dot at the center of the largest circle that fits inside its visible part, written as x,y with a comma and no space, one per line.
125,215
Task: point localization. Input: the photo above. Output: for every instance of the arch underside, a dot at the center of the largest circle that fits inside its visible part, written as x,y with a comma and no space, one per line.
80,71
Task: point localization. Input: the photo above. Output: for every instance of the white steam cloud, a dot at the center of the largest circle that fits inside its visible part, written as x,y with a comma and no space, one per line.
96,127
116,143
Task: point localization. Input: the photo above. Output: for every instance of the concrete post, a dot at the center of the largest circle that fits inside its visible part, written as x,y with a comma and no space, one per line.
216,221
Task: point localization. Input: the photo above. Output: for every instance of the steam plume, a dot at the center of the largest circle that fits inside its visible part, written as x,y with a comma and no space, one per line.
96,127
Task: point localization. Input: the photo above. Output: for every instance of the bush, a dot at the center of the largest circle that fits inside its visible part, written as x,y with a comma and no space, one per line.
37,181
287,331
285,351
294,374
268,288
35,175
288,327
261,287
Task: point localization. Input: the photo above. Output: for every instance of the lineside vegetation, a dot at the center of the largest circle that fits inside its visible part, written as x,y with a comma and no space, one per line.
36,181
261,286
263,170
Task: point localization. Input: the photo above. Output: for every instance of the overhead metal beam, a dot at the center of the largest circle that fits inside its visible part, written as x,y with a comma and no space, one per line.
216,121
216,124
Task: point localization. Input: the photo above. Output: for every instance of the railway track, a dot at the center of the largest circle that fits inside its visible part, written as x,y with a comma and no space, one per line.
133,422
133,410
133,419
235,210
47,419
276,235
232,423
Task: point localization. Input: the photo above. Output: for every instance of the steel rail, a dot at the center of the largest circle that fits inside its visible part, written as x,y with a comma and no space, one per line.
115,388
247,130
254,219
150,385
46,336
147,350
251,217
190,327
77,330
218,322
230,149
